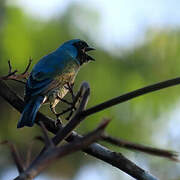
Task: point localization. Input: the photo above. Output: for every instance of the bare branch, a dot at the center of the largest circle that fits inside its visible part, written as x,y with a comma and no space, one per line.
47,140
29,154
28,66
51,155
63,132
17,77
10,72
131,95
10,67
16,156
96,150
139,147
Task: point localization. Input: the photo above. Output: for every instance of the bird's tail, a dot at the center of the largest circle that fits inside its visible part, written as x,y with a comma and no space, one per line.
29,113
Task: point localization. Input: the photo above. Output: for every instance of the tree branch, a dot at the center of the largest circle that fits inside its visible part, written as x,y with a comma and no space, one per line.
16,156
96,150
131,95
142,148
51,154
17,77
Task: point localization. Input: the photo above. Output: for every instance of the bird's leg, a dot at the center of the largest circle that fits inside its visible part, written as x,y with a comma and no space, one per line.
76,101
65,101
71,109
70,87
53,109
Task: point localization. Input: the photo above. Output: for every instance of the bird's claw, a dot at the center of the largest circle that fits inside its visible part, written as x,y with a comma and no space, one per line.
70,87
57,122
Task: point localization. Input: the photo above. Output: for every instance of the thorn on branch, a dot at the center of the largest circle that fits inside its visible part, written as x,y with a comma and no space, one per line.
100,128
15,155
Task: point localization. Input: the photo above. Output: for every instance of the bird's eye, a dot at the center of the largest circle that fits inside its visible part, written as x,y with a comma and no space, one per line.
80,43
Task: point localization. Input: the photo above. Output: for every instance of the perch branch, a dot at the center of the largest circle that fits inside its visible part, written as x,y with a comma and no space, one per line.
67,129
96,150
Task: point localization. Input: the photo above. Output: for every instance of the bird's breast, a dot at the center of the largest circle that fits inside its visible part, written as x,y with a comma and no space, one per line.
60,81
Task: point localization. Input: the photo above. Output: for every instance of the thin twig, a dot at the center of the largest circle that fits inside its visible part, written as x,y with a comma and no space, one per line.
10,67
139,147
16,77
28,66
29,153
48,141
16,156
131,95
10,72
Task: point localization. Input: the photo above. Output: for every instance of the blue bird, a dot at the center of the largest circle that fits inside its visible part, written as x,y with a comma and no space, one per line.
48,79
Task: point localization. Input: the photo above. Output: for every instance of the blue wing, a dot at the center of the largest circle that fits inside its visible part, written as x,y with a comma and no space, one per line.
44,73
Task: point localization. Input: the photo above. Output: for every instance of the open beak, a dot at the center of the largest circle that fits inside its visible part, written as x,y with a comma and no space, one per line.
89,49
89,57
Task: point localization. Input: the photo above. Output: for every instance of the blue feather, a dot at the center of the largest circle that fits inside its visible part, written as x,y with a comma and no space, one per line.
49,76
30,111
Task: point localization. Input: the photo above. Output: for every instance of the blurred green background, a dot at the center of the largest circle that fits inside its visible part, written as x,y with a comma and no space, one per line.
133,49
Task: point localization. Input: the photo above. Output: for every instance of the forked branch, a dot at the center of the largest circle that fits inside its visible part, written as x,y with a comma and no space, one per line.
51,154
17,77
96,150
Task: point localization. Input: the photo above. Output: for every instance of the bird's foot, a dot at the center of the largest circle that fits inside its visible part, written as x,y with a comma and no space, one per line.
64,111
53,110
70,115
57,122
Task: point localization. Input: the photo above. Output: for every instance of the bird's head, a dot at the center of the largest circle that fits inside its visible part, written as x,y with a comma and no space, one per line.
79,48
